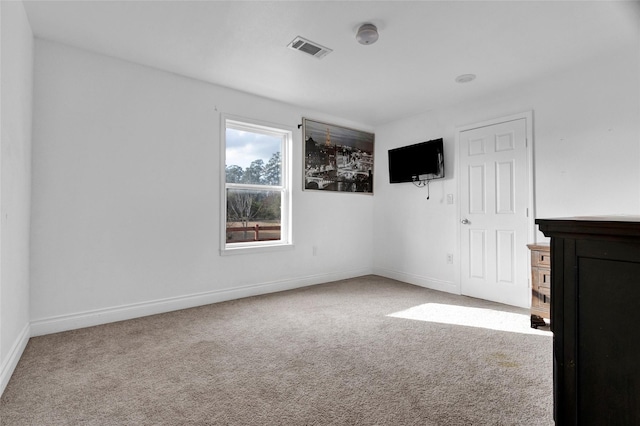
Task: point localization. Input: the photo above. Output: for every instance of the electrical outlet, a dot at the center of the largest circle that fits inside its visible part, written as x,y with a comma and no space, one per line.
449,198
449,257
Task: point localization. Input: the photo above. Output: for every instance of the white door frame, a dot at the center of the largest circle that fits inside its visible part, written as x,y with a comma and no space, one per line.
528,117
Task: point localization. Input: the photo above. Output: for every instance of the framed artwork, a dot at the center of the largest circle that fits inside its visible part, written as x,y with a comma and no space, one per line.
337,158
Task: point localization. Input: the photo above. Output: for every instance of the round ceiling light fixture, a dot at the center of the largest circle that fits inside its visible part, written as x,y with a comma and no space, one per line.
465,78
367,34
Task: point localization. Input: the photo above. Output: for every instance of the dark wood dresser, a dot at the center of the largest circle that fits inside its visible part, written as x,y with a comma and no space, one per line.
540,284
595,306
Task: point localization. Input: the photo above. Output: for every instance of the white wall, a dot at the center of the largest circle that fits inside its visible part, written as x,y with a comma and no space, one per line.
413,234
15,178
586,161
126,196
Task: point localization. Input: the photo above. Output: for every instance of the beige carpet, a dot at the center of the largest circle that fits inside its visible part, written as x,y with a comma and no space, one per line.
364,351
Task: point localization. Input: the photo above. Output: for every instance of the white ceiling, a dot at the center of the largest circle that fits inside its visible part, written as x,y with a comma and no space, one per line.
423,45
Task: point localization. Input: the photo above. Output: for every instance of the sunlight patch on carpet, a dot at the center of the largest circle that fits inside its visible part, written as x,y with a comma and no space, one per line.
471,317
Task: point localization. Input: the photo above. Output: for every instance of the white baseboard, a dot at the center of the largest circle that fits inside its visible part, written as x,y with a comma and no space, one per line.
419,280
74,321
9,365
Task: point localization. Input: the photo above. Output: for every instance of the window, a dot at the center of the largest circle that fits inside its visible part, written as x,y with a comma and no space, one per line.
256,200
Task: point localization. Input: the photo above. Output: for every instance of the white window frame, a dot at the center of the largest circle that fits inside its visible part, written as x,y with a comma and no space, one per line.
280,131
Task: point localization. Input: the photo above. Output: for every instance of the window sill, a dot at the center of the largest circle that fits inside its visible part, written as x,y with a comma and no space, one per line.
266,248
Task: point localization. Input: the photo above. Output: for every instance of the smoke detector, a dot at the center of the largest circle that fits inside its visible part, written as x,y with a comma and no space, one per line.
309,47
367,34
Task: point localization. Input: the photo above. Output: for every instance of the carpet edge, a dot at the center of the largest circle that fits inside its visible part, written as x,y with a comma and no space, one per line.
59,323
9,365
419,280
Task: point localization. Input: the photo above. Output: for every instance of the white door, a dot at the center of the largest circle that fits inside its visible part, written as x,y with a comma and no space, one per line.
494,208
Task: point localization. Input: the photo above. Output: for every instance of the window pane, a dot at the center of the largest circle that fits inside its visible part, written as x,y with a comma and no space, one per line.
253,158
253,215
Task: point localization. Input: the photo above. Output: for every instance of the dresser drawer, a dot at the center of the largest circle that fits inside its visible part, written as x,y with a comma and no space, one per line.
542,277
540,258
541,298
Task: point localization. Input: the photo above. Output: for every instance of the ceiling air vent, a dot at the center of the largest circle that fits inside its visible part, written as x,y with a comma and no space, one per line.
309,47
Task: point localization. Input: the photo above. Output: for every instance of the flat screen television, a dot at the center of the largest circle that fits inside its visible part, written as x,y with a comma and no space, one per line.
419,162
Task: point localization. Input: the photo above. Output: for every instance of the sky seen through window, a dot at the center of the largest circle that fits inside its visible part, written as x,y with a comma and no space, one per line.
246,147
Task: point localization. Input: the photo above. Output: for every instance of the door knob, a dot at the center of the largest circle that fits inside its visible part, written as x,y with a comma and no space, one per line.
465,221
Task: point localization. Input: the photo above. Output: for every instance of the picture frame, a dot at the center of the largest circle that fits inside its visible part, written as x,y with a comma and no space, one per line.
337,158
